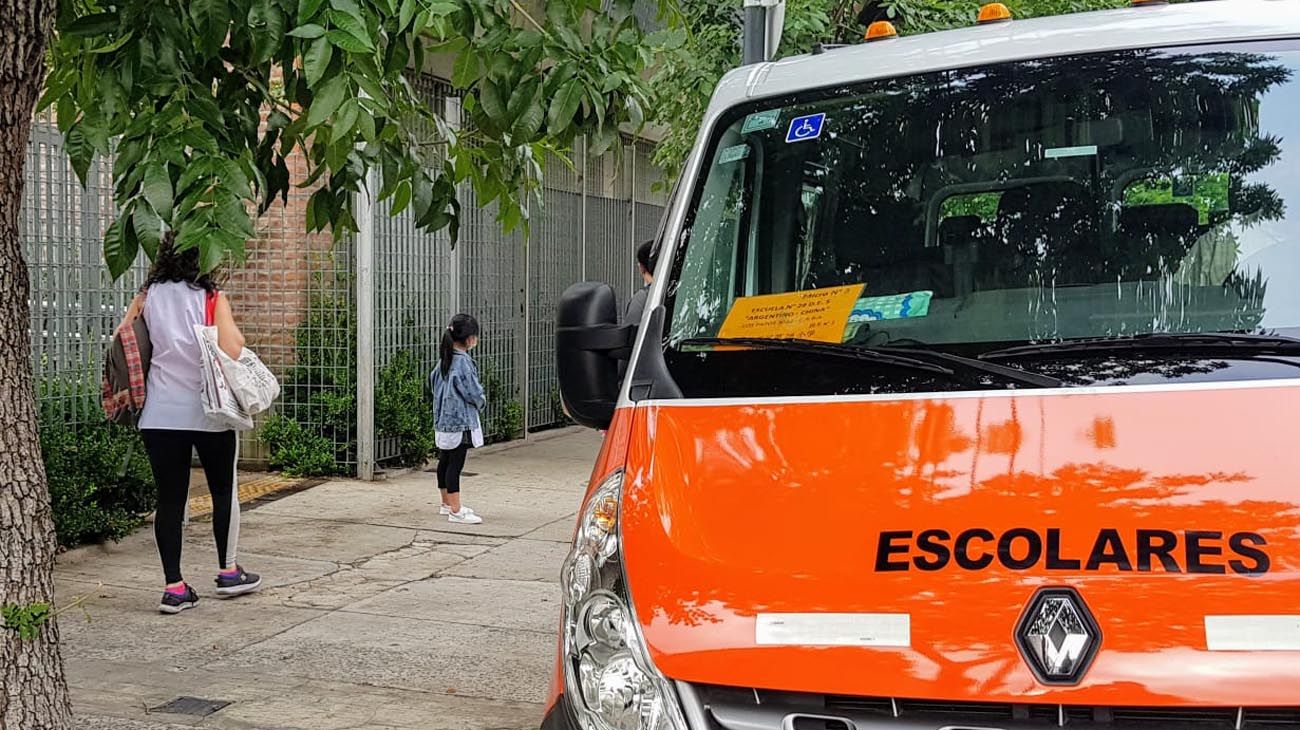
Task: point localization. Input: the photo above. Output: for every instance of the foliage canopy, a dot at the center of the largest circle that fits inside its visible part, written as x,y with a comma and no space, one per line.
204,101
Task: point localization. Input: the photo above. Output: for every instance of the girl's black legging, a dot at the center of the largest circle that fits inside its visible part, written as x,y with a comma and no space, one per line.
450,464
169,455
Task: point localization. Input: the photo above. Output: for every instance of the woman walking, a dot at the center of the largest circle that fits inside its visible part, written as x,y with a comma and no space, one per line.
175,297
457,400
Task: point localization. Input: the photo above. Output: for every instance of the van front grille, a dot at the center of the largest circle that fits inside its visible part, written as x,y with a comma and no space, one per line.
729,708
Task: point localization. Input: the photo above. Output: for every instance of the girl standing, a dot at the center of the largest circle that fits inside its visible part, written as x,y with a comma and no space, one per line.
458,398
173,425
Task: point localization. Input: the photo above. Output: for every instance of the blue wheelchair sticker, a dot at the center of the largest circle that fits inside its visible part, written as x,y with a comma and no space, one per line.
803,129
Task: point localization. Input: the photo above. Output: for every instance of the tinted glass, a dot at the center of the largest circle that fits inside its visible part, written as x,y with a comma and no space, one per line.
1100,196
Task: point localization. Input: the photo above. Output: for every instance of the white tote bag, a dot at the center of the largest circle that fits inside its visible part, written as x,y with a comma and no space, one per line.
253,384
219,401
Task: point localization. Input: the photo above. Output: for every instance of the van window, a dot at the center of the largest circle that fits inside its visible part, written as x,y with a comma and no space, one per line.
1102,196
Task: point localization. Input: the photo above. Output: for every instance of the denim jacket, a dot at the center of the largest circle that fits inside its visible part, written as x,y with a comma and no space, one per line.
458,397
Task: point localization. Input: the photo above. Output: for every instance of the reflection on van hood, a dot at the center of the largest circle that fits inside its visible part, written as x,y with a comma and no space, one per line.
934,522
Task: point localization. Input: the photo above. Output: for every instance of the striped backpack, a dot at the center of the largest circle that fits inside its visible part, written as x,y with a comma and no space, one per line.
126,370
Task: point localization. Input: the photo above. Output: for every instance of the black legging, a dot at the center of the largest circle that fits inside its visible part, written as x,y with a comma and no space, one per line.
169,455
450,464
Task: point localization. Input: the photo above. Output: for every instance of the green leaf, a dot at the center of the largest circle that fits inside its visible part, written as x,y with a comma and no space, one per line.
206,110
634,112
309,31
233,218
234,178
307,9
348,7
120,249
89,26
570,39
213,20
353,27
346,119
316,60
366,125
603,141
465,71
346,42
564,106
401,198
532,115
406,14
266,26
148,228
441,9
398,56
200,169
489,95
56,89
197,138
81,152
327,100
158,189
526,95
372,86
113,45
212,249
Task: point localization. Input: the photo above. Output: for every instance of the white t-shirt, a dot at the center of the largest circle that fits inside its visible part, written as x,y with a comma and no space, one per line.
448,440
173,395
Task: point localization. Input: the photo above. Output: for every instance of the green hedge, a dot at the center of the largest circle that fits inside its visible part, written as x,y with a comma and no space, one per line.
100,484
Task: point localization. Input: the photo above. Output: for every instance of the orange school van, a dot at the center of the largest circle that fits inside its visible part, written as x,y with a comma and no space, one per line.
965,397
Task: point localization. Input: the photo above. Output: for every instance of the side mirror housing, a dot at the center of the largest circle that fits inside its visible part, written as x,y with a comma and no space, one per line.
589,343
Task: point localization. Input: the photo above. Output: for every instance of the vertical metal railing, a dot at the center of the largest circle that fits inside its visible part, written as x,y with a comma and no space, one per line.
330,316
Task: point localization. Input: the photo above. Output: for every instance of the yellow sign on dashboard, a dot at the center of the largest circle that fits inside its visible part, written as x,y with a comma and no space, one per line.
815,314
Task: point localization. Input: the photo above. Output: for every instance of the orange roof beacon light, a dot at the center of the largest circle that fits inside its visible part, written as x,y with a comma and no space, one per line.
881,30
994,13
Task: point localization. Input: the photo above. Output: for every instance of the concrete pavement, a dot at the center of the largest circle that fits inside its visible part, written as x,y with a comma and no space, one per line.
376,613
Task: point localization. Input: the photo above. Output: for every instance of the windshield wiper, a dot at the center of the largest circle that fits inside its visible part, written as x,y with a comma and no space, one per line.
1227,343
931,361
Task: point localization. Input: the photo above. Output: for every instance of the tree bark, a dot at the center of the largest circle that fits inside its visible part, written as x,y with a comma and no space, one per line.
33,691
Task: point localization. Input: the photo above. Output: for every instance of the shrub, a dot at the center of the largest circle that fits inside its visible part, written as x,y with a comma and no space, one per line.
404,408
552,406
100,483
297,451
504,420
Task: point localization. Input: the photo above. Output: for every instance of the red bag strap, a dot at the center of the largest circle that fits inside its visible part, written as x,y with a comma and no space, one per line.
210,316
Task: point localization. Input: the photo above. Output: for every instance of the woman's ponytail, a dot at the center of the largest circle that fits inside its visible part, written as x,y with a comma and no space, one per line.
462,327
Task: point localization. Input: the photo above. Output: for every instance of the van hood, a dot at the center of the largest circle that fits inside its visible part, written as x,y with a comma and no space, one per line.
891,546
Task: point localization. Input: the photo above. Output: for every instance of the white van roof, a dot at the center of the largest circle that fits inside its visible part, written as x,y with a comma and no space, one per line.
1208,21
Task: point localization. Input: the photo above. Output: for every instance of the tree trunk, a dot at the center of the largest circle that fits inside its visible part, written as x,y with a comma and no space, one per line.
33,691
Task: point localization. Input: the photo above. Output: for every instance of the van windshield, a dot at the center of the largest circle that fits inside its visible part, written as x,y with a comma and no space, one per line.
1106,196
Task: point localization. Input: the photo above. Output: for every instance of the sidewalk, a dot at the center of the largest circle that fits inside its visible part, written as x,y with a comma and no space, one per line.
376,613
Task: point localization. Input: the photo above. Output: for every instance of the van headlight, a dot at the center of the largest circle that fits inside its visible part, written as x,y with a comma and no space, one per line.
607,672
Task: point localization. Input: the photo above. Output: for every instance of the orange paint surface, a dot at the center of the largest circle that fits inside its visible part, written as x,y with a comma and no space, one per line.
731,511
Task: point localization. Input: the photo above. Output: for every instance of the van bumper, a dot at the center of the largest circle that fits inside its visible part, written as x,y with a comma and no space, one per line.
560,716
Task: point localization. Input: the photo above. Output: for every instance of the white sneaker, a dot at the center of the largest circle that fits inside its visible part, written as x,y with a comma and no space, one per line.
466,516
445,510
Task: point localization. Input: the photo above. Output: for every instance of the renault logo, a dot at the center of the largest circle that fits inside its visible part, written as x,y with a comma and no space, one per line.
1058,636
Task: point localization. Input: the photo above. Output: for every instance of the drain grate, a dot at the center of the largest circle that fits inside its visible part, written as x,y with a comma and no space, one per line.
196,706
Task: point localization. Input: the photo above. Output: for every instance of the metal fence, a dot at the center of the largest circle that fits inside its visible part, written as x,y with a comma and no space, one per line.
74,304
297,296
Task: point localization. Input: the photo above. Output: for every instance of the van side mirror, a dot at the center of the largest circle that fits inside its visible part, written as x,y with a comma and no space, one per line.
589,343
